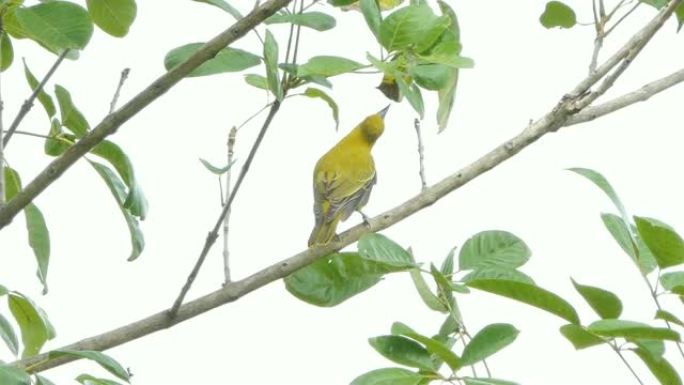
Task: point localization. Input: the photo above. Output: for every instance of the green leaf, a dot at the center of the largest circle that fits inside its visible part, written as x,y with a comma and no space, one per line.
380,249
119,192
412,27
679,13
135,200
57,25
493,248
431,345
389,376
257,81
72,118
498,272
113,16
450,41
107,362
579,336
665,244
316,93
413,95
217,170
12,182
332,280
43,97
444,285
656,347
403,351
226,60
601,182
604,303
271,60
10,375
39,240
371,12
87,379
529,294
327,66
59,141
669,317
33,323
672,279
428,297
447,267
488,341
40,380
6,52
621,233
314,20
431,76
224,6
659,366
631,330
557,14
8,335
486,381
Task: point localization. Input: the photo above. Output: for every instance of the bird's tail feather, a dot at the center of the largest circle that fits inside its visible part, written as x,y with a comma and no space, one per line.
324,232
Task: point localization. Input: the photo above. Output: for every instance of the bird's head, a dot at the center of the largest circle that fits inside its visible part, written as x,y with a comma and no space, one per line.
373,126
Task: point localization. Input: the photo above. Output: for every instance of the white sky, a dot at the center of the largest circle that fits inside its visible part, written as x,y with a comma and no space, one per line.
269,337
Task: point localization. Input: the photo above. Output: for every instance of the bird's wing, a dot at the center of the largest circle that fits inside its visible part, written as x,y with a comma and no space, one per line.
337,193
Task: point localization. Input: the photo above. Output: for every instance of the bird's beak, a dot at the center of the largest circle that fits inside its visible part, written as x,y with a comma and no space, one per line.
384,111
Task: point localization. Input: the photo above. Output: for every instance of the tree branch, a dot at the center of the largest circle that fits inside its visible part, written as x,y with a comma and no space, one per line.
421,156
226,221
113,121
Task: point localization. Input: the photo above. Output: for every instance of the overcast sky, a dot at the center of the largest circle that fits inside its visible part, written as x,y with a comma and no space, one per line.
269,337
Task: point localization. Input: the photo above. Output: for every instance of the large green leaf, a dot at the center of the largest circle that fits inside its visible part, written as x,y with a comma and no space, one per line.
431,76
413,27
33,323
7,334
493,248
601,182
315,20
72,118
659,366
579,336
44,99
224,6
557,14
429,298
327,66
672,280
403,351
529,294
488,341
631,330
10,375
316,93
119,192
113,16
604,303
669,317
631,244
39,240
135,200
378,248
227,60
413,95
271,61
371,12
57,25
665,244
389,376
498,272
107,362
432,345
6,52
332,280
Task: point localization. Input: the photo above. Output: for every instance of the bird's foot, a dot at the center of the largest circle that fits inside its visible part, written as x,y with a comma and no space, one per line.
366,218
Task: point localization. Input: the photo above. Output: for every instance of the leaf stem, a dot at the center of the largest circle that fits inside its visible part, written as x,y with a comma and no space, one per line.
122,80
624,360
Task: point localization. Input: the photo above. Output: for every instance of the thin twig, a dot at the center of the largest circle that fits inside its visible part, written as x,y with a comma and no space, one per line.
421,171
598,40
622,18
122,80
26,133
627,364
226,220
213,234
28,103
2,142
652,291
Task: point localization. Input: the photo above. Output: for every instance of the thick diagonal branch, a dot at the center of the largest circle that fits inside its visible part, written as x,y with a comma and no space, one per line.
113,121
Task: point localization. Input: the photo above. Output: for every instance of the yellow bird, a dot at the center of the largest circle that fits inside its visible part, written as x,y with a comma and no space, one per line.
344,177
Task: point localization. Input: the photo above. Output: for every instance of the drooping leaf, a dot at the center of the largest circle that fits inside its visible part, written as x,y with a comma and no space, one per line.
257,81
529,294
447,267
87,379
222,4
414,27
327,66
314,20
8,335
428,297
631,330
630,243
557,14
601,182
216,170
656,347
403,351
389,376
486,381
672,279
105,361
605,303
488,341
33,323
413,95
493,248
10,375
271,61
72,118
6,51
579,336
378,248
113,16
659,366
316,93
39,240
57,25
432,345
227,60
665,244
371,12
498,272
44,99
119,192
669,317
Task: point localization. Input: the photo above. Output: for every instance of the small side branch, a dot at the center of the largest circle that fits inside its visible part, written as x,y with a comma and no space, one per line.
122,80
226,220
2,145
421,156
28,103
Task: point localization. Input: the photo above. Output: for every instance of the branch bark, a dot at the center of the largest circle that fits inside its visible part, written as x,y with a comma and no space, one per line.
113,121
